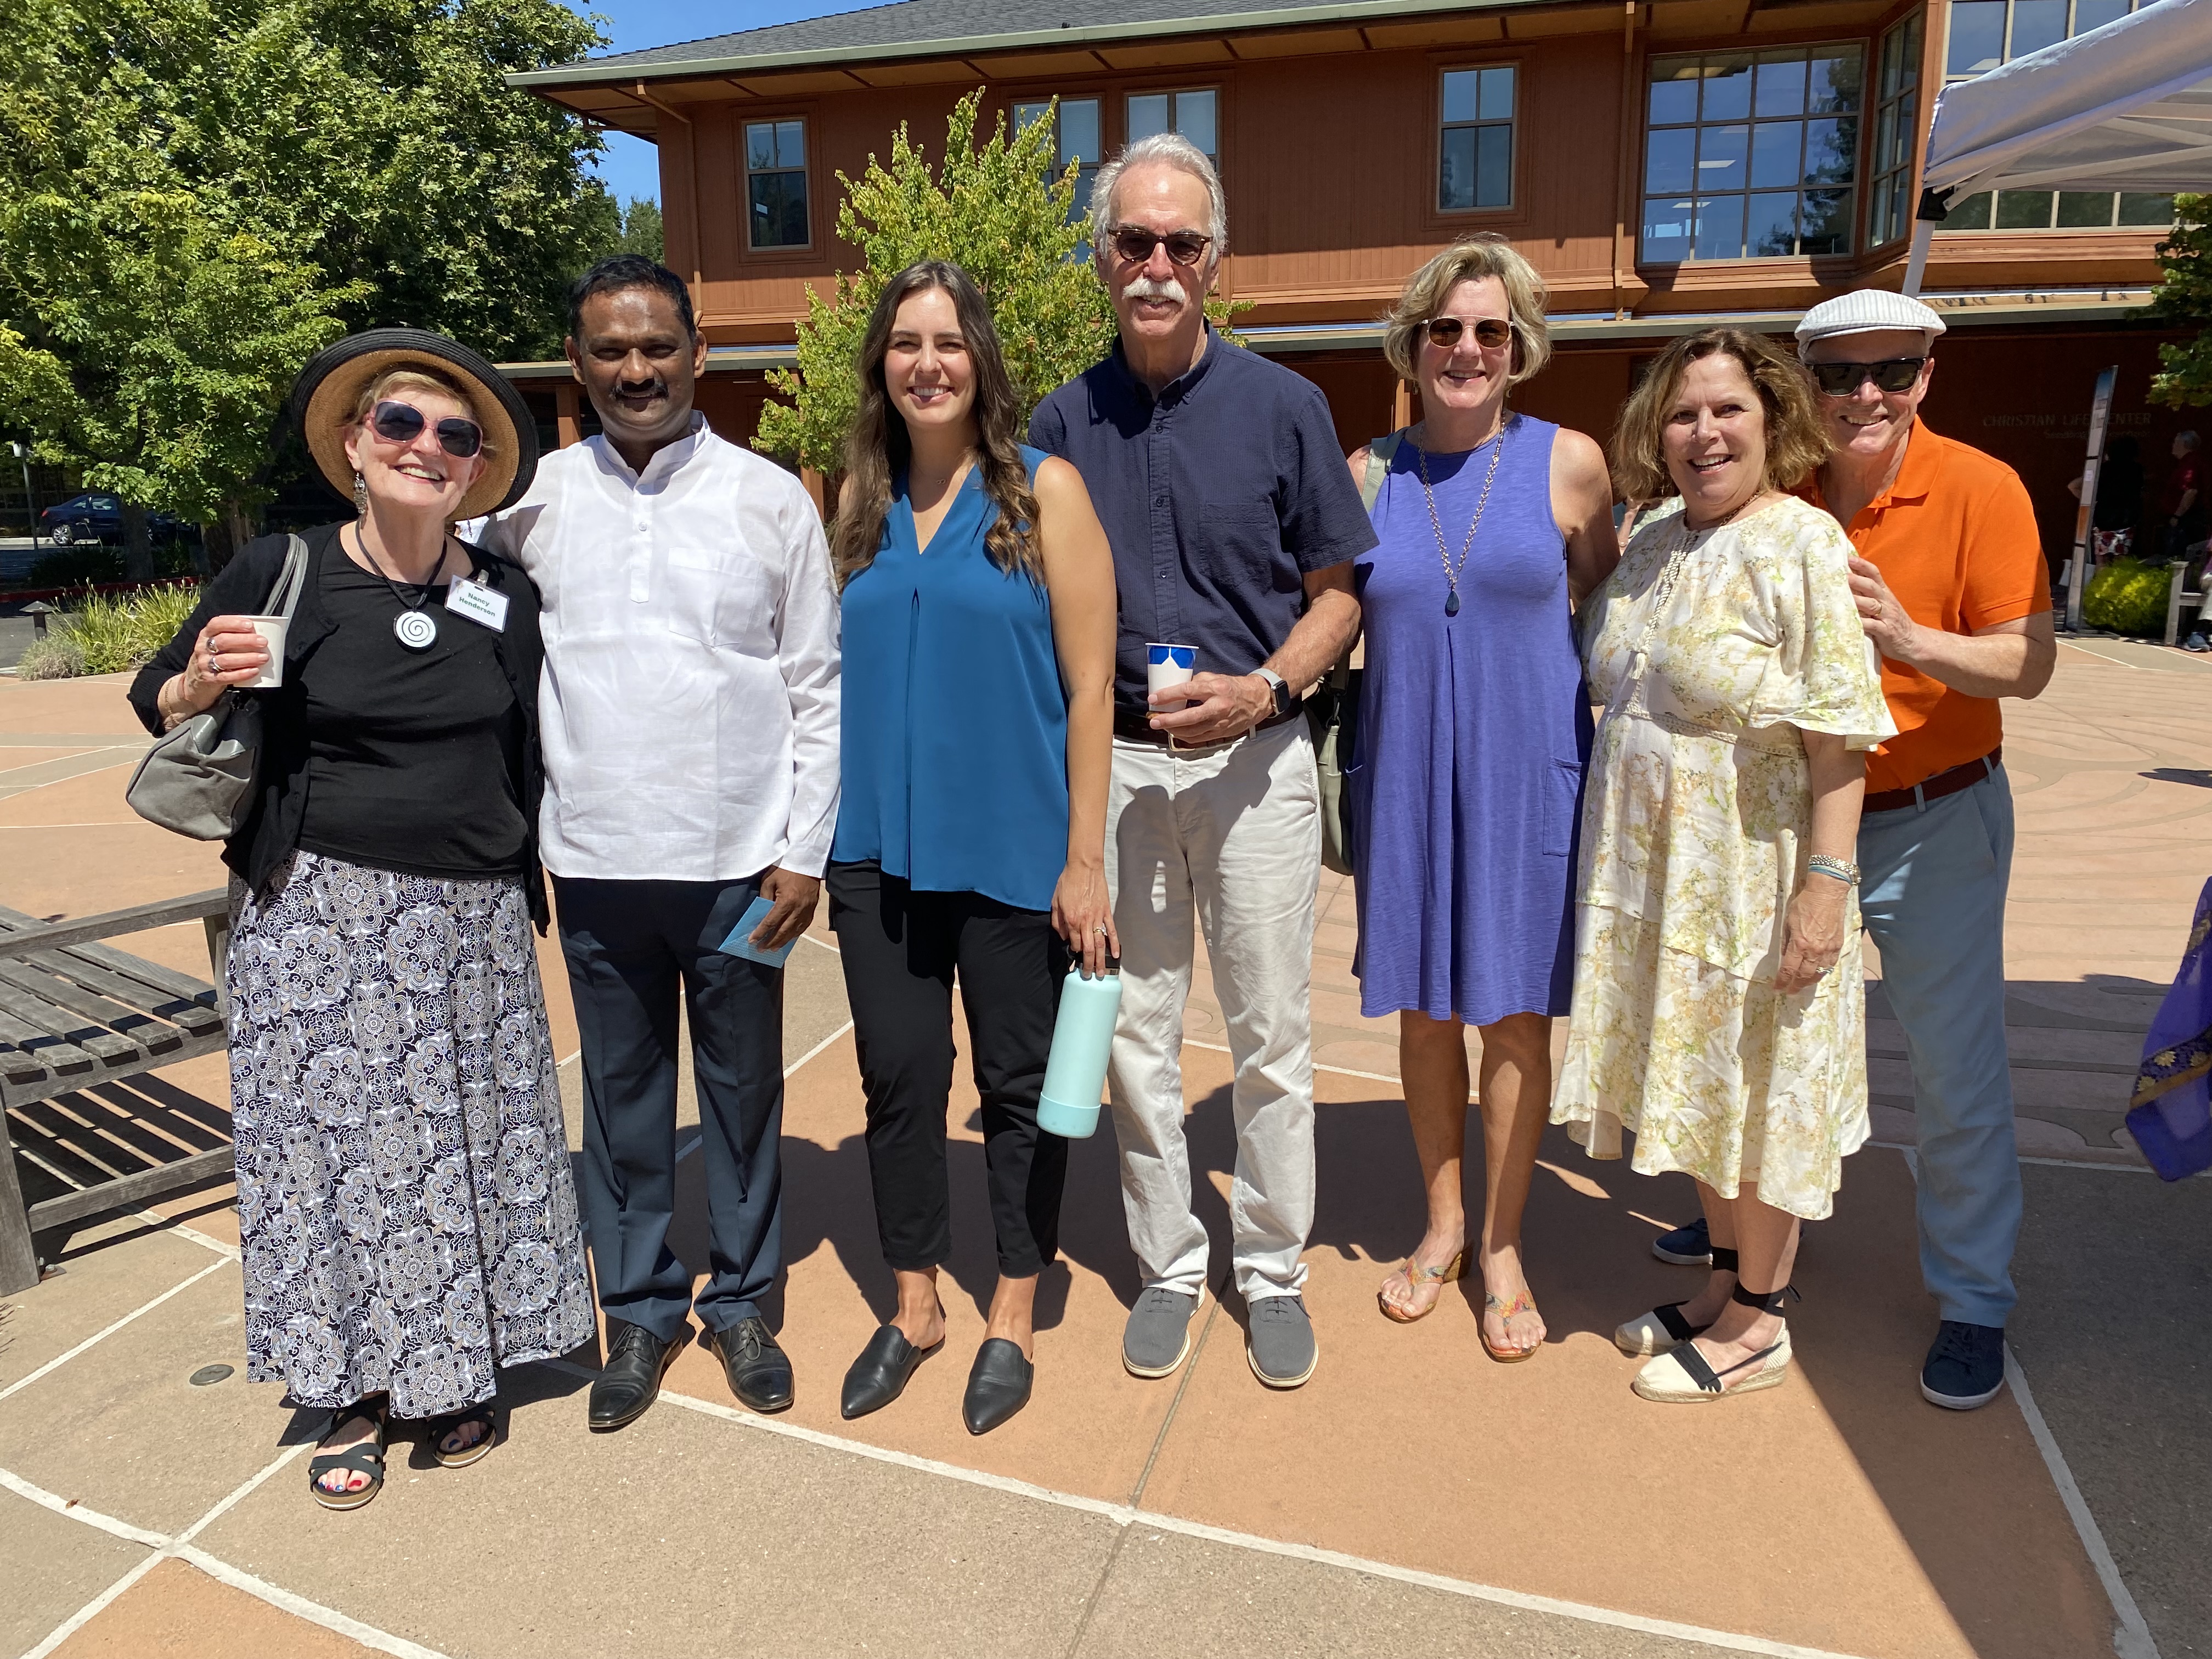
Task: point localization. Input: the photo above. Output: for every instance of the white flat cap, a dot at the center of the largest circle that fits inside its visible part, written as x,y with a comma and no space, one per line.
1862,310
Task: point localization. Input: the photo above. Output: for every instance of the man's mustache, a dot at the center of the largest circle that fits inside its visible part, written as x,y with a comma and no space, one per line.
1144,288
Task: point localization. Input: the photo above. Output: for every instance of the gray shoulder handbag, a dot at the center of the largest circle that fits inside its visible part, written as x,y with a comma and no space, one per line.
199,779
1333,711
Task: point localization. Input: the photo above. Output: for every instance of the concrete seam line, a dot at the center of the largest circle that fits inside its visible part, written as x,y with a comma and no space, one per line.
60,1360
832,949
1341,1071
790,1070
301,1607
1522,1600
13,1482
186,1230
1122,1515
244,1489
2132,1640
92,1609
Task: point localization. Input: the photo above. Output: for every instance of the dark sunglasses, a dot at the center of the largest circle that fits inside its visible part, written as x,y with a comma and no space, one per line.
1135,243
1842,379
401,423
1491,332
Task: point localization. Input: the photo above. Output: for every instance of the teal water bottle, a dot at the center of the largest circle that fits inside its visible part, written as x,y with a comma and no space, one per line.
1075,1075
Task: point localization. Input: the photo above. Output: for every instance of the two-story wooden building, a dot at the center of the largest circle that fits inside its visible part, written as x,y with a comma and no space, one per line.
1665,163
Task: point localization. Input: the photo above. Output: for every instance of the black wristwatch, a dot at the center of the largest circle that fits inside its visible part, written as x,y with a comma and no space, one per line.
1285,699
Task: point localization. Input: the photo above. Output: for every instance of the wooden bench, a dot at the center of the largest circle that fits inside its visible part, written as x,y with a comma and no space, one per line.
2178,600
76,1014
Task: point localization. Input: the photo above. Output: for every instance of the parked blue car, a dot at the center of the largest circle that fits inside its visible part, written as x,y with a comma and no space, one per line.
97,518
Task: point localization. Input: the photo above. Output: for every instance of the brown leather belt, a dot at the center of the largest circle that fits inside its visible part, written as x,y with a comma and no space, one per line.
1934,789
1133,723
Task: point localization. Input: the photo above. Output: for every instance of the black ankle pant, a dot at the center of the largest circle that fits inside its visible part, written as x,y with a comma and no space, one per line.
902,951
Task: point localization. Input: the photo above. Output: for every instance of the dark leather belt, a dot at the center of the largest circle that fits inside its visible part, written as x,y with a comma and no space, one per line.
1132,724
1934,789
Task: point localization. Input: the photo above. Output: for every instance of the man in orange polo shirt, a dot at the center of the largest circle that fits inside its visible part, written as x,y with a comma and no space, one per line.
1955,594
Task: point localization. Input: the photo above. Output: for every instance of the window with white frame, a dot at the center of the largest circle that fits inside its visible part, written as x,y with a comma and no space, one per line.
1896,131
1984,33
1077,137
1751,154
1196,114
776,183
1474,151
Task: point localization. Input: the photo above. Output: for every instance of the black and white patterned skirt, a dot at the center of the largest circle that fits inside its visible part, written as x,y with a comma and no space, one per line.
405,1193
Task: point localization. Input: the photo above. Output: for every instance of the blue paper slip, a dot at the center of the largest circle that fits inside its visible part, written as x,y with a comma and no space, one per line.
740,941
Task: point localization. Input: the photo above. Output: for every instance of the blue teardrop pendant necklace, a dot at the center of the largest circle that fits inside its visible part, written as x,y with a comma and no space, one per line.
1443,552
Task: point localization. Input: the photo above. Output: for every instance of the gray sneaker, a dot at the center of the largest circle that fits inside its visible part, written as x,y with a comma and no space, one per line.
1157,1339
1280,1343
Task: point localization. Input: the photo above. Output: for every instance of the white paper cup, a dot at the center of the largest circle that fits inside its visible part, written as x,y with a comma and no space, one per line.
1167,666
270,629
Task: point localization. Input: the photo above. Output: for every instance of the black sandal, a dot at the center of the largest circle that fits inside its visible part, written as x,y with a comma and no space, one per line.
1664,1327
366,1458
435,1430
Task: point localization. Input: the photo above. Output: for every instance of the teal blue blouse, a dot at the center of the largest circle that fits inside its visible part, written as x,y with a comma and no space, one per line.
955,721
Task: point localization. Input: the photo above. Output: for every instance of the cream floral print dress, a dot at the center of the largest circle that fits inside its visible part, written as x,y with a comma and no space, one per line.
1713,652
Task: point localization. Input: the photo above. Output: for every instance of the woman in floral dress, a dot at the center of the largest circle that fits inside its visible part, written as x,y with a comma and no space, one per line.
1718,1009
405,1203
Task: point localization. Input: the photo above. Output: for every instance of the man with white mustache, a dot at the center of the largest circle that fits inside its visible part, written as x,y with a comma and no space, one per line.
1953,590
1233,523
690,721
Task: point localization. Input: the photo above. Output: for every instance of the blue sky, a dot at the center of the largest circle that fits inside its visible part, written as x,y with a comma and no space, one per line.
631,166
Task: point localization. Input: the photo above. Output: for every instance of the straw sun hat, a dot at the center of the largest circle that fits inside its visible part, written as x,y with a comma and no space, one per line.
324,396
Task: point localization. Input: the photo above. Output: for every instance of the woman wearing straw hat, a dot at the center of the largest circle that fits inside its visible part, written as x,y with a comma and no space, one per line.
405,1205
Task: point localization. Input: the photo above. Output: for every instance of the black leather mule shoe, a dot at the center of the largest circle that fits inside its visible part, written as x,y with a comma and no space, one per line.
759,1372
631,1380
997,1385
879,1375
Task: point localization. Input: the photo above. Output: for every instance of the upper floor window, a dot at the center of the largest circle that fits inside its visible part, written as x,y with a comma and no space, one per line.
1474,160
1751,154
1896,131
1984,33
1194,114
776,183
1076,137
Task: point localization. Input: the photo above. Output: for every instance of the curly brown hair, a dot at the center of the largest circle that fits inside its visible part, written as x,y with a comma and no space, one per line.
1796,442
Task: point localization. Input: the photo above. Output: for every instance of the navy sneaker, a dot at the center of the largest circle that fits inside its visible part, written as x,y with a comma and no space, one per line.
2197,641
1965,1368
1686,1247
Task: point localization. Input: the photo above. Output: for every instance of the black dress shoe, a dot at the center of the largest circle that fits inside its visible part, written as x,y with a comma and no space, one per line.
997,1385
630,1380
759,1372
879,1375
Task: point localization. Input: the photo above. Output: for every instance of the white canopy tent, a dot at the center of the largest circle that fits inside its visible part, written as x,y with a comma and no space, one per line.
2128,107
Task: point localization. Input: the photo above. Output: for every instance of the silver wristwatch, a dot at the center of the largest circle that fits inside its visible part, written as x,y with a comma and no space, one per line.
1285,699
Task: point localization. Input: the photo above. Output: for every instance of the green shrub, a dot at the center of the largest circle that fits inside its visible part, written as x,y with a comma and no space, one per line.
90,562
51,657
119,631
2127,596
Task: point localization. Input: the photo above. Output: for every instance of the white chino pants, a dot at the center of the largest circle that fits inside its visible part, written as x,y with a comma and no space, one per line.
1231,833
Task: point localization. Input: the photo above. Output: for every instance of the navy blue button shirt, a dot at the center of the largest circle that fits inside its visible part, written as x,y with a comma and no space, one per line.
1218,497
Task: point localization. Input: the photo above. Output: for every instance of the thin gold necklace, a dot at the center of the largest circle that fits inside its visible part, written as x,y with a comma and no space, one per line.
1443,552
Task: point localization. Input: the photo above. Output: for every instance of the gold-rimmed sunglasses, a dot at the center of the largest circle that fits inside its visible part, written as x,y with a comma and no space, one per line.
1491,332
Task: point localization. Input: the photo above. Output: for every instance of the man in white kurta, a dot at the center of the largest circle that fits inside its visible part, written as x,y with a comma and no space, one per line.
688,718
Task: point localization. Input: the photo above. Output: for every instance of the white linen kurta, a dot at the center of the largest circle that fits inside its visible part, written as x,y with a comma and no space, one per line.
689,707
1714,652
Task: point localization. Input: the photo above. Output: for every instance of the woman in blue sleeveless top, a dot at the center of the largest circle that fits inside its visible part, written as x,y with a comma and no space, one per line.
978,645
1473,733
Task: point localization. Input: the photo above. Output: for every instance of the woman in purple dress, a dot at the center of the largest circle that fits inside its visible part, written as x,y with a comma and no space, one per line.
1473,733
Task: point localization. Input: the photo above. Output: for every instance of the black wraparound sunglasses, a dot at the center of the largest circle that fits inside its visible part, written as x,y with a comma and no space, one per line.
1135,243
1491,332
1842,379
401,423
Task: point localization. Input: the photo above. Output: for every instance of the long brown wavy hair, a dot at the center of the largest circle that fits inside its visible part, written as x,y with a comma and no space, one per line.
878,448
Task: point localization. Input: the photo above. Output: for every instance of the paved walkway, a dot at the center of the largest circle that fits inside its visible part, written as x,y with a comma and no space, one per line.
1415,1498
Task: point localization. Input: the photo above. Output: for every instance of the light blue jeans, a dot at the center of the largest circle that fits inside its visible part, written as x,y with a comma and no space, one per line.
1932,892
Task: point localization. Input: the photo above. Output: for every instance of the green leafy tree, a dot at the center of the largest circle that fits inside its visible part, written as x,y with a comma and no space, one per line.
195,195
995,209
642,231
2185,294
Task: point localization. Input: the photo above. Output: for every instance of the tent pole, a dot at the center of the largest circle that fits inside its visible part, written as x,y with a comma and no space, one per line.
1915,266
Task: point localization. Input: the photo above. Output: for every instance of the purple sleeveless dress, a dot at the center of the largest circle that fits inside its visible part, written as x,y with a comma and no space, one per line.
1466,782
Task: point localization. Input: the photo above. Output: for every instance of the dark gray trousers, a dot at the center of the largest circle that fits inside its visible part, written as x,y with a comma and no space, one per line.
631,946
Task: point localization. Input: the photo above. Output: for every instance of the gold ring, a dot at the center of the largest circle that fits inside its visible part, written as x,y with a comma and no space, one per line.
1101,930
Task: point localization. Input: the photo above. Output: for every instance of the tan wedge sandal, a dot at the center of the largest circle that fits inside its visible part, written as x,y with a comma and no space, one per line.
1416,1276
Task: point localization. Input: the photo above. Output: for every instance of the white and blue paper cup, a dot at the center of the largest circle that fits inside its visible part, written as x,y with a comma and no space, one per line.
1168,665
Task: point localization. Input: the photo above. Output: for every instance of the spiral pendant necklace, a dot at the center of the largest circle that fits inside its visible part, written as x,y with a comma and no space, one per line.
1443,551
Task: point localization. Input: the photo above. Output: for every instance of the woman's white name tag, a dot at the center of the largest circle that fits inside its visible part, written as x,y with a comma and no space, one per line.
478,603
